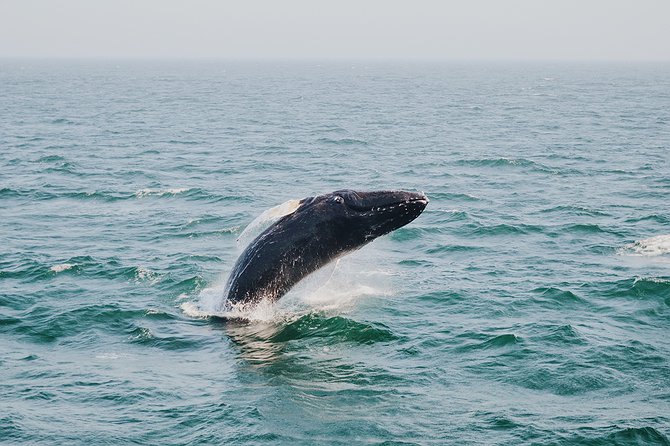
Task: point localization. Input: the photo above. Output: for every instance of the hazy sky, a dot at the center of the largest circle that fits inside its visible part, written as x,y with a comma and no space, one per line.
467,29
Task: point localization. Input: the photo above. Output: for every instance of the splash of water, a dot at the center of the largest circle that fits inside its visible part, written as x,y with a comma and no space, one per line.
62,267
333,289
649,247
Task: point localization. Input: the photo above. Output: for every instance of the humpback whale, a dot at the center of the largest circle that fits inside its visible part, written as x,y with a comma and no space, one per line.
319,230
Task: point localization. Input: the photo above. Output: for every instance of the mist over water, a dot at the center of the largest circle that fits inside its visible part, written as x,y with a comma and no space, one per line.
529,303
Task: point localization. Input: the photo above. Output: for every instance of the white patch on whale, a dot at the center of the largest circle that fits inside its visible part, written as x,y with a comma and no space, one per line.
263,221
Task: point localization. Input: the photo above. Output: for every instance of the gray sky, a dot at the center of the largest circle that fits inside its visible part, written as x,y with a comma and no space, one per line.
467,29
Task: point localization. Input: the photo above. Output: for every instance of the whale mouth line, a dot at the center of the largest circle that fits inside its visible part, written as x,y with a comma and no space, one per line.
400,204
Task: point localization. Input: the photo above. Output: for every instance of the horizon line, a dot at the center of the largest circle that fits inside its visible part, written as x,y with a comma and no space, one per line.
321,59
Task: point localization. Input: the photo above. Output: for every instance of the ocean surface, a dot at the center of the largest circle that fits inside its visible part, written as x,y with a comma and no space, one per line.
529,304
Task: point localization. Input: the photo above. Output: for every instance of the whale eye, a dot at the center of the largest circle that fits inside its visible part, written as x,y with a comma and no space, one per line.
338,199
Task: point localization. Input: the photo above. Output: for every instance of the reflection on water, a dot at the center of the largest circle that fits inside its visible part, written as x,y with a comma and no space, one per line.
263,342
254,339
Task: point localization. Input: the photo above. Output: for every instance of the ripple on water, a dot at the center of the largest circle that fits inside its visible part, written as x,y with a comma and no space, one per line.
527,305
495,342
647,288
335,329
343,141
615,435
554,296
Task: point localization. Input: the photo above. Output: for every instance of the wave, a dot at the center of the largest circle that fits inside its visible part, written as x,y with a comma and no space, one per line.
190,193
447,196
161,192
184,142
517,163
437,249
453,214
499,341
63,121
62,267
657,218
499,162
108,196
51,159
33,270
565,334
64,167
555,296
587,228
565,379
575,210
46,193
144,336
615,435
336,328
581,229
261,343
503,229
504,162
649,287
343,141
44,324
414,232
649,247
637,287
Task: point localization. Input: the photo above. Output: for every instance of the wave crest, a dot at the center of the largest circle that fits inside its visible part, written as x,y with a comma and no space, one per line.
649,247
160,192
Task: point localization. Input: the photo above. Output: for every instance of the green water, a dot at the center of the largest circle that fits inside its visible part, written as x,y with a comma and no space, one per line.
529,304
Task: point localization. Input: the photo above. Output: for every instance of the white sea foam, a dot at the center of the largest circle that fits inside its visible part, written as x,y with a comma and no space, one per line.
143,274
113,355
649,247
210,300
651,279
160,192
62,267
334,289
109,355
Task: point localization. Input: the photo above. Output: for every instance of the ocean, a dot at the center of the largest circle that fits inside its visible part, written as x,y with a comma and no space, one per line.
528,304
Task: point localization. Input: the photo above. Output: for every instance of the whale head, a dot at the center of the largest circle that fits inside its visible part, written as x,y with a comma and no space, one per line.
350,219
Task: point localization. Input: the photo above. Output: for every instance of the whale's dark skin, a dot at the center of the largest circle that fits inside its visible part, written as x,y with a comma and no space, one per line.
320,230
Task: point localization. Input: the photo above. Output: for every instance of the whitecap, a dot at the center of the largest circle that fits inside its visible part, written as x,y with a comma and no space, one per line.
649,247
650,279
114,355
62,267
144,274
160,192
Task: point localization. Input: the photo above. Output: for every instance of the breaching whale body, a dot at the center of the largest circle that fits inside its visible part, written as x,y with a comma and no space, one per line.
318,231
